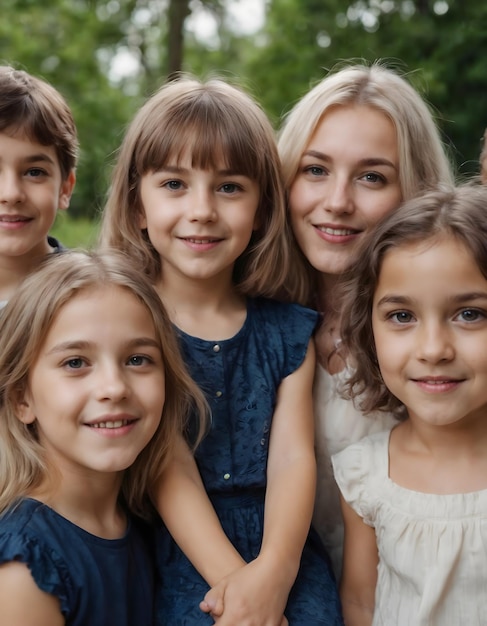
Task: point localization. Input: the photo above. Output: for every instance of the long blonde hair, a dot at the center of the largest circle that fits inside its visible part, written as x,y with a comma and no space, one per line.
212,121
423,161
23,327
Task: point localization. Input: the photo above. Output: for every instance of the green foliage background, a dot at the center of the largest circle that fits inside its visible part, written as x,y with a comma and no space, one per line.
440,44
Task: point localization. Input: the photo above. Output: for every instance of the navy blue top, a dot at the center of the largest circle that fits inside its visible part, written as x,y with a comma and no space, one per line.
240,377
99,582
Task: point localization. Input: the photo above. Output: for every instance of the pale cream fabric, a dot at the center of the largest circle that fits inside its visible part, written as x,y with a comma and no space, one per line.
432,548
337,424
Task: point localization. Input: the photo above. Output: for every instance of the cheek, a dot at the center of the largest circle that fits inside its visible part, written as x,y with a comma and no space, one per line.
297,199
379,210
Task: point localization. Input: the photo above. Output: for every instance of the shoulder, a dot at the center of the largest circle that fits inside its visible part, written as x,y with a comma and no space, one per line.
366,451
289,314
28,535
283,329
359,468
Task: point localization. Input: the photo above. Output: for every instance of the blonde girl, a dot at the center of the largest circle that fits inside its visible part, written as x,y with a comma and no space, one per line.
352,149
415,497
93,395
196,199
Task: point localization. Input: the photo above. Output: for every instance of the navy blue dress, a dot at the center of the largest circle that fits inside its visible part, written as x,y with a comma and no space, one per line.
240,377
99,582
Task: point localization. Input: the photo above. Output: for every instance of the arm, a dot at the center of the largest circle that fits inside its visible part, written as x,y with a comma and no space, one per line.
21,600
262,587
182,502
359,577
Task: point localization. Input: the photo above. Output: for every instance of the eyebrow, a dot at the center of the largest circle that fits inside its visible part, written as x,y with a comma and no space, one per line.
67,346
372,161
41,157
35,158
461,298
174,169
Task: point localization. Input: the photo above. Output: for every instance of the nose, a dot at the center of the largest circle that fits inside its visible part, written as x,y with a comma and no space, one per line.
339,196
11,189
112,382
435,344
202,205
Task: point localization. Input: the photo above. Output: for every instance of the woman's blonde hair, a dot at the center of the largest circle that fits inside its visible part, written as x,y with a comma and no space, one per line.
423,162
211,121
23,327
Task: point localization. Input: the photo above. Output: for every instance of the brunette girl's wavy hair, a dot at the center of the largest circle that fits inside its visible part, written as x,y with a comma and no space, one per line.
458,212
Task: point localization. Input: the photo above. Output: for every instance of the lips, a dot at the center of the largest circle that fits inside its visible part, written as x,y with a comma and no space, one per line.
437,380
201,240
337,232
14,218
437,384
110,425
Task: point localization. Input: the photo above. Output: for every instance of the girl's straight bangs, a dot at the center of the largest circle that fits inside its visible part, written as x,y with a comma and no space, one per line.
212,142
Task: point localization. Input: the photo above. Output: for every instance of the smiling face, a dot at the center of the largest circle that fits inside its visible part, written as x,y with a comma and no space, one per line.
430,328
31,191
199,221
348,179
96,389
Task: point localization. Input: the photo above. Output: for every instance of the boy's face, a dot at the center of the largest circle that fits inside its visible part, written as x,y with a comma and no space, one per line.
31,191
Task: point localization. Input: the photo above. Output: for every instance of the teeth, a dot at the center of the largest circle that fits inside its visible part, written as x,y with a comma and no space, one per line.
117,424
336,231
200,240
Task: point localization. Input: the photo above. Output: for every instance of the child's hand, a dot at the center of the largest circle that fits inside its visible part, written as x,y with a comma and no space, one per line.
250,596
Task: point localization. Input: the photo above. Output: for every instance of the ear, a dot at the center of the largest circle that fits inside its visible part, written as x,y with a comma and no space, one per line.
66,190
142,219
24,409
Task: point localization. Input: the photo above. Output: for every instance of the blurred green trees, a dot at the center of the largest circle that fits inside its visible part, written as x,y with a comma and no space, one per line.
106,56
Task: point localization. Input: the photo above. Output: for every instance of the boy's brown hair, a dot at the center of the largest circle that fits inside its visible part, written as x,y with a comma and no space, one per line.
31,106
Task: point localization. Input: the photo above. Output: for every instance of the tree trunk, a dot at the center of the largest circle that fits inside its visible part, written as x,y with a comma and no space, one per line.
178,11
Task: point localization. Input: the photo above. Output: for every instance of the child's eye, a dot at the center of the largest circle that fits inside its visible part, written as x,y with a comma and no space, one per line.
139,359
230,188
471,315
401,317
173,185
36,172
74,363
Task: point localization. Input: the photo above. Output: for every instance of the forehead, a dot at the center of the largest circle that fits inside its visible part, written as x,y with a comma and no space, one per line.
371,129
102,306
17,143
439,267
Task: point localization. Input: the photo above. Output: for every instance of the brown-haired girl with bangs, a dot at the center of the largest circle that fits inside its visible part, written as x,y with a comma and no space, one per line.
196,200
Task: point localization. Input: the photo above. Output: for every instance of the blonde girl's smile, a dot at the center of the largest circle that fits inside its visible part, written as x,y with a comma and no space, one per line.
102,357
